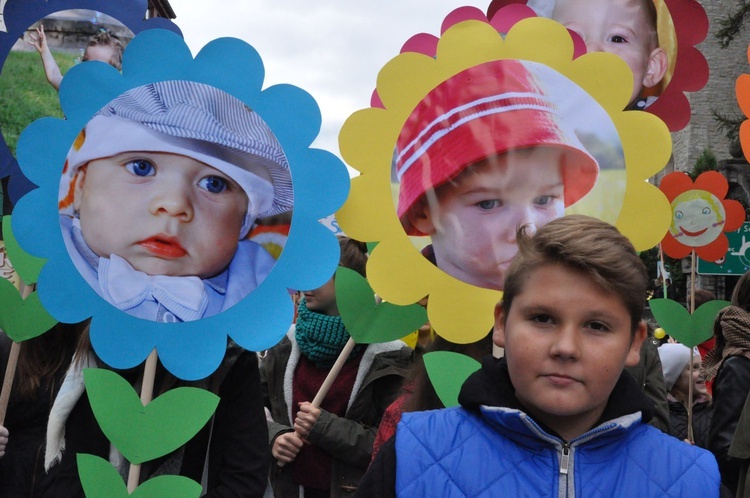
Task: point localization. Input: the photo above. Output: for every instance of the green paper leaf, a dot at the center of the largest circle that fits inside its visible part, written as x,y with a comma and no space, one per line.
448,371
146,433
368,322
371,246
22,319
687,329
99,478
26,265
168,487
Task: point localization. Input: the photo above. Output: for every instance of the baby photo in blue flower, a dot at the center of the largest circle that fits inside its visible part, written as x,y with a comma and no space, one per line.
158,194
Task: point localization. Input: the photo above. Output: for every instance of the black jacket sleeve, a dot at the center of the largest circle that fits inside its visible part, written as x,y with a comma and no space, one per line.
730,389
380,479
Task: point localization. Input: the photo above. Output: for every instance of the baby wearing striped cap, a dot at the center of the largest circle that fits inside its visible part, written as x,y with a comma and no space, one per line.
167,180
484,153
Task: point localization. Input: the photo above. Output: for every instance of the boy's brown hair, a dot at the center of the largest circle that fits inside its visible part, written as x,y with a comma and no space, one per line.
584,244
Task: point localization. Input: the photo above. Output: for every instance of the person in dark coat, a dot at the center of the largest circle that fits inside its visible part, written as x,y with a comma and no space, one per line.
728,364
42,363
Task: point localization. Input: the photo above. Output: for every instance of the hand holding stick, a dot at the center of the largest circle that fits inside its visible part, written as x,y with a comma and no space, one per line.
316,402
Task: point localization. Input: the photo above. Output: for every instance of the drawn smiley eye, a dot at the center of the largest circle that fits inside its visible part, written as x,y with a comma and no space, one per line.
678,215
706,210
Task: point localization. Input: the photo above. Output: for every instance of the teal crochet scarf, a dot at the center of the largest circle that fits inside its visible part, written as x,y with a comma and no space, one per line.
320,337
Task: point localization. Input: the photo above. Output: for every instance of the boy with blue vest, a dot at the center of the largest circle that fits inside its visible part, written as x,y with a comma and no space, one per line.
557,416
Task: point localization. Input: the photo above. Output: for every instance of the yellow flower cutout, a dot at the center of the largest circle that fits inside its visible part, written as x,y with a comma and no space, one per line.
397,271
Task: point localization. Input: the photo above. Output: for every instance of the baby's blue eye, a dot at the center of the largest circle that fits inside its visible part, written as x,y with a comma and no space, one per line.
543,200
488,204
214,184
141,167
618,39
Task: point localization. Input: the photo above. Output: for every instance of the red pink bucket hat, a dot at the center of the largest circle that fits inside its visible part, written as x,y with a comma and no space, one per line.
484,111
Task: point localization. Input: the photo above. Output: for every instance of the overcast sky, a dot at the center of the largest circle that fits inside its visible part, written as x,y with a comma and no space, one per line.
333,49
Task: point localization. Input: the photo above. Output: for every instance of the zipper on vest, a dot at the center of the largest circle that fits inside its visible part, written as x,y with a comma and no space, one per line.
565,459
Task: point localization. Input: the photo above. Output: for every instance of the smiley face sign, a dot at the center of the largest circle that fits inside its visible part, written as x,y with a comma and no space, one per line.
698,218
700,215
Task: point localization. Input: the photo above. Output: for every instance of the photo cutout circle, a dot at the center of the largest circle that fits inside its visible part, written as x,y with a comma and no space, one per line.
484,104
169,158
70,25
658,40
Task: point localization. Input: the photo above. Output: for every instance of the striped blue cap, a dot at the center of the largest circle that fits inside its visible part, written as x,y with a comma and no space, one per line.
198,121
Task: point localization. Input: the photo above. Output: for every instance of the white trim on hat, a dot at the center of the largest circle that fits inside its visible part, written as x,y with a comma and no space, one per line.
445,118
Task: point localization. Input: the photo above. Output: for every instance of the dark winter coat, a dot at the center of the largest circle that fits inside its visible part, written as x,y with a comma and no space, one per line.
238,446
678,421
730,390
347,439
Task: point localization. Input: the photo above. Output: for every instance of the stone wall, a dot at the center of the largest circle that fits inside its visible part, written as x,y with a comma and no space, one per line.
70,30
725,65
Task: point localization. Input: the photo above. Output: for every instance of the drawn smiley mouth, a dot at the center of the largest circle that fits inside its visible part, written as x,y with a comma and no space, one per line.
693,234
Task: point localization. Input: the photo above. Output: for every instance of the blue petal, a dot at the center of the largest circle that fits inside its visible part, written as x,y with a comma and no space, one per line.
191,350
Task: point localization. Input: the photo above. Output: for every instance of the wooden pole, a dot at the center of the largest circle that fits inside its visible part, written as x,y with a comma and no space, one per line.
147,393
690,384
335,369
663,273
10,368
10,373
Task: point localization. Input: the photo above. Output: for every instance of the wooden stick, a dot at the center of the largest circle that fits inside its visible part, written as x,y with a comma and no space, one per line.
663,273
328,382
10,368
690,434
690,384
335,369
10,373
147,393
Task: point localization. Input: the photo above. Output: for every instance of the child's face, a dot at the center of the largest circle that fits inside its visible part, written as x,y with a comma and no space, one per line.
323,299
103,53
166,214
474,220
682,384
566,341
619,27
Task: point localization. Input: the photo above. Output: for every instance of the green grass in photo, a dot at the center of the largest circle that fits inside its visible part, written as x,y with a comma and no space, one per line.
25,93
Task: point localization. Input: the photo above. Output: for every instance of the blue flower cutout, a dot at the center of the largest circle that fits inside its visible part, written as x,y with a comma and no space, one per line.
190,350
20,14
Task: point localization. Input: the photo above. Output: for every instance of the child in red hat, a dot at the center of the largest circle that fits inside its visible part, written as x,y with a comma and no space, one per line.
485,152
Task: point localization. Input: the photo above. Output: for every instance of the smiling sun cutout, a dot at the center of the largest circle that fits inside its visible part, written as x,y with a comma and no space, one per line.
700,215
396,270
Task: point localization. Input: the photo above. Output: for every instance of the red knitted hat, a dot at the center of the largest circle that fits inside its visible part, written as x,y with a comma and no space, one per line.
481,112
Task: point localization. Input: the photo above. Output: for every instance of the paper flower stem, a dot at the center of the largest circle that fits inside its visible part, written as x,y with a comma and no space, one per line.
690,435
147,393
335,369
10,368
690,384
328,382
10,373
664,273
